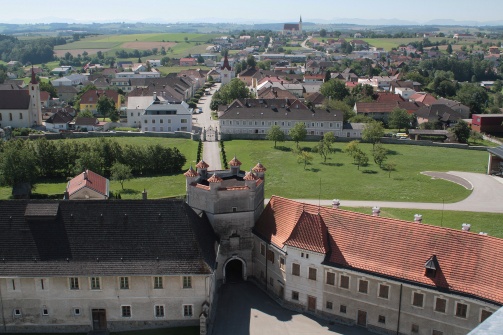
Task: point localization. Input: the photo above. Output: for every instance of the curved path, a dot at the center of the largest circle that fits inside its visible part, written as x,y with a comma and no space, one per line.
487,195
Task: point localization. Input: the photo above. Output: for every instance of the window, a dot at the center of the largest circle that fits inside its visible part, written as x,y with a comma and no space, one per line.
282,263
440,305
271,281
146,121
153,121
461,310
43,284
270,256
187,310
10,116
159,311
124,283
381,319
437,332
484,315
126,311
307,255
95,283
295,269
329,305
295,295
76,311
262,249
74,283
20,116
312,273
414,328
45,311
342,309
161,121
330,278
363,286
131,114
417,299
183,120
383,291
17,312
344,282
187,282
13,283
157,282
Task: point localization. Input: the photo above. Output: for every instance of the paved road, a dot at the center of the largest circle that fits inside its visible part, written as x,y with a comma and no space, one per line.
487,196
243,309
211,155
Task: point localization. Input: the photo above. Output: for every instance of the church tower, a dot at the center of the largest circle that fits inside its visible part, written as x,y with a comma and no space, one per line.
300,25
35,109
226,71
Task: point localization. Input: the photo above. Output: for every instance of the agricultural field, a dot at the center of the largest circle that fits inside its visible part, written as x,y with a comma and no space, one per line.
181,44
340,178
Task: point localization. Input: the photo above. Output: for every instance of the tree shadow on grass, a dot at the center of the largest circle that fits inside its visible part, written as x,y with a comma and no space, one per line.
332,164
283,148
314,170
335,150
369,171
392,153
129,191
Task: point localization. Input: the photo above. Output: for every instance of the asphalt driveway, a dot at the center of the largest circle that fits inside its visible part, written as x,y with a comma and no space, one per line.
243,309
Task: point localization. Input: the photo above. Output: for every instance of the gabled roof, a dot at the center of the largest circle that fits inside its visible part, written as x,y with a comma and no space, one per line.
388,97
469,264
88,179
105,238
91,97
14,99
60,117
425,98
310,233
375,107
86,121
438,111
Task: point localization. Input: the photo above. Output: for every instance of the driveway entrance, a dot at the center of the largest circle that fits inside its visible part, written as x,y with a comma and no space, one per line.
234,271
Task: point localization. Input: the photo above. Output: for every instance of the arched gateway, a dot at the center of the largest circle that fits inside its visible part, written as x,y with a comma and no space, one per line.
234,270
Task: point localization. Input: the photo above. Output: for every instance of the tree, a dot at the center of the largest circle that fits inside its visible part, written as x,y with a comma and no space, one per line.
473,96
89,159
372,132
347,111
361,159
235,89
390,166
251,62
449,48
334,89
461,130
121,173
380,154
275,134
327,76
323,32
47,87
399,118
106,107
298,133
304,157
475,136
18,163
85,113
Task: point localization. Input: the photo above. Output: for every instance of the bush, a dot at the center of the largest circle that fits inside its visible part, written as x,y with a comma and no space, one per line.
127,129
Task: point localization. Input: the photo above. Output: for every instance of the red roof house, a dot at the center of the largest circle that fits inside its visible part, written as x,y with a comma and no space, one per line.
87,186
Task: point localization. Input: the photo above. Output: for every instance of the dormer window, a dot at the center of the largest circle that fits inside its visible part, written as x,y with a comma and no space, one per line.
431,267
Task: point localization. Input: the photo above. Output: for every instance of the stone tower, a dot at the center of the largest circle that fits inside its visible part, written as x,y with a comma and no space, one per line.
35,109
233,201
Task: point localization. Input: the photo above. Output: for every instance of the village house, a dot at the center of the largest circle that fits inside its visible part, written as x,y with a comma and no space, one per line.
58,121
162,116
87,186
89,100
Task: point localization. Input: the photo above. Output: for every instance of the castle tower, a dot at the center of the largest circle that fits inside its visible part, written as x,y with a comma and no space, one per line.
35,109
233,201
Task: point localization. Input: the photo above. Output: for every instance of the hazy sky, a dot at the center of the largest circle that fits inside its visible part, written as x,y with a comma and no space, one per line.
35,11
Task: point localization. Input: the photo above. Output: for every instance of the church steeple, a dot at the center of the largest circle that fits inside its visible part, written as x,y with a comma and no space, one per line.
226,64
300,21
33,78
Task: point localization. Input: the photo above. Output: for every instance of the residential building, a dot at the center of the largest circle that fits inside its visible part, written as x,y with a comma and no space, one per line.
438,113
89,100
257,116
87,124
188,61
488,123
163,117
345,266
138,74
70,80
83,265
58,121
66,93
88,186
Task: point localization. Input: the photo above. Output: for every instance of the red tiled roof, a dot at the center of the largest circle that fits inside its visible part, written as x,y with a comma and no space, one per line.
388,97
93,181
235,162
214,179
426,99
250,176
226,64
202,165
375,107
310,233
91,97
44,96
468,263
259,168
191,173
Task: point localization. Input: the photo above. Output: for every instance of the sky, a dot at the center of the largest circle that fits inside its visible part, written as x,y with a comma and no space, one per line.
242,11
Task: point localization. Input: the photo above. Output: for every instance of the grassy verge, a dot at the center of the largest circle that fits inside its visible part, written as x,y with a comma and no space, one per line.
340,178
490,223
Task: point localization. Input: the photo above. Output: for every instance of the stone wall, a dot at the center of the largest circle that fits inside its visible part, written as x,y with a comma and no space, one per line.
96,134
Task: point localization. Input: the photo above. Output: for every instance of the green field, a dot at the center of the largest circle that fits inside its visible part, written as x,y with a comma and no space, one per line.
490,223
156,186
341,179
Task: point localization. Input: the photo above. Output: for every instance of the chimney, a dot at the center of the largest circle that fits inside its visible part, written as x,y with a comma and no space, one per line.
336,203
144,194
376,211
155,96
85,174
466,227
418,218
66,196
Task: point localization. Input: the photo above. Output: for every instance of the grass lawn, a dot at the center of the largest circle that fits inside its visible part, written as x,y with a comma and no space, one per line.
490,223
156,186
340,178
